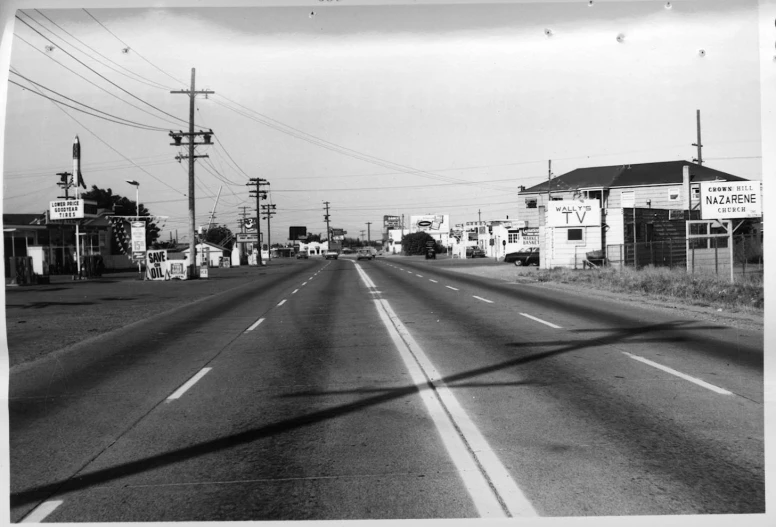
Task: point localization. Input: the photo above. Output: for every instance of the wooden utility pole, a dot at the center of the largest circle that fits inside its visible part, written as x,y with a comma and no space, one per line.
549,178
259,195
326,217
369,232
269,210
699,159
177,137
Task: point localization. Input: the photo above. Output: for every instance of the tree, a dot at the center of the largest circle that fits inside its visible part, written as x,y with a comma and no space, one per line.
121,206
220,235
313,238
416,243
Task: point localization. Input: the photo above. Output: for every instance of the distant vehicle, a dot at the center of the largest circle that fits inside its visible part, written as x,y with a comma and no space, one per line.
331,255
430,253
526,256
302,254
475,252
364,254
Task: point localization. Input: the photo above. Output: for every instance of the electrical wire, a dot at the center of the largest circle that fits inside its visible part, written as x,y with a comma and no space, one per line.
141,79
98,73
139,125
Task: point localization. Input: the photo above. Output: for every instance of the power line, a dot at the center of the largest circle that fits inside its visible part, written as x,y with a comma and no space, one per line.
96,72
139,125
128,46
147,82
80,110
90,82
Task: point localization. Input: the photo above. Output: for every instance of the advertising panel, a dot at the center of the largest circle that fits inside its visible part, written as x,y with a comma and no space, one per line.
574,213
431,223
156,265
247,237
297,233
66,209
138,240
391,222
731,199
177,269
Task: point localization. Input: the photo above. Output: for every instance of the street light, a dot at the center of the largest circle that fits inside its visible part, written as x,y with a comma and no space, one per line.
137,217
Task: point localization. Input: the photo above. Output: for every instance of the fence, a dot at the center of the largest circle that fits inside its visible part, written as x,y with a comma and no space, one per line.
703,256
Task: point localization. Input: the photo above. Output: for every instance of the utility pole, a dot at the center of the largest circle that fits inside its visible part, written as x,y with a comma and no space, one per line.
269,210
479,216
326,217
369,232
699,160
549,178
191,134
259,195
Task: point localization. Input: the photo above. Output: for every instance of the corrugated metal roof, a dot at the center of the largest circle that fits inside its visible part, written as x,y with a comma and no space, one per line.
661,173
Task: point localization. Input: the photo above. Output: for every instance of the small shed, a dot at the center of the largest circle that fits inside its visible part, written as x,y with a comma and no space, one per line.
214,253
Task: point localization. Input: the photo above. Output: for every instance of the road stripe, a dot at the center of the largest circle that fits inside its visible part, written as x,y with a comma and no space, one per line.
305,283
281,302
295,290
492,489
430,280
540,320
679,374
41,511
191,382
453,288
255,325
420,275
483,299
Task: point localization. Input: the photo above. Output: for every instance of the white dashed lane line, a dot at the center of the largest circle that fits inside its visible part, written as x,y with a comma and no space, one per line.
255,325
188,384
483,299
420,275
542,321
450,287
430,280
41,511
679,374
294,292
304,283
281,302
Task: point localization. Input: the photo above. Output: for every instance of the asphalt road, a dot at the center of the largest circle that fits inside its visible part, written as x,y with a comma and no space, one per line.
391,388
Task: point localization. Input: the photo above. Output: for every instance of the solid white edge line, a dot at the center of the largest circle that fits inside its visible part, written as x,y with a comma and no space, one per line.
255,325
41,511
488,482
542,321
679,374
453,288
188,384
281,302
466,446
483,299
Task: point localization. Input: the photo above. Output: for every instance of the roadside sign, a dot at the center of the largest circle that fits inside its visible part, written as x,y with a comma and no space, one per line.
203,271
156,265
247,237
731,199
574,213
66,209
139,238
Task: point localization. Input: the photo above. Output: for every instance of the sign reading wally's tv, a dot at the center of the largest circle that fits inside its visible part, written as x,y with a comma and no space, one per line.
574,213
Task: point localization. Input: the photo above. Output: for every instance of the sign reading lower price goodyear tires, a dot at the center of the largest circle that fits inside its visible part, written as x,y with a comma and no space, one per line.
66,209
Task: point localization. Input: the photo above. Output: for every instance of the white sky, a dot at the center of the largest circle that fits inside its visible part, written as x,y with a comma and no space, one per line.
477,96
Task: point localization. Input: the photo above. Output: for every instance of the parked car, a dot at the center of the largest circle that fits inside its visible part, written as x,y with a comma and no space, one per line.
331,255
526,256
475,252
364,254
302,254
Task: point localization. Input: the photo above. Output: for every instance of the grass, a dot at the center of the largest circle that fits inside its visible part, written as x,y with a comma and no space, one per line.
745,294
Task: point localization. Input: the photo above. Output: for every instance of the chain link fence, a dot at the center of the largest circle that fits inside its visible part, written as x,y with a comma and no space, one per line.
703,256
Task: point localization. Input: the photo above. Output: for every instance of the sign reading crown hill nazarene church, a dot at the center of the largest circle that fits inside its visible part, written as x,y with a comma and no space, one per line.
731,199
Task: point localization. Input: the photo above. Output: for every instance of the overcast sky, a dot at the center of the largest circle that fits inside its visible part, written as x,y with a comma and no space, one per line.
380,109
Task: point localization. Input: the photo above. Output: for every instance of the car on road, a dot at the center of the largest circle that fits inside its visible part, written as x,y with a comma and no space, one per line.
525,256
364,254
475,252
302,254
331,255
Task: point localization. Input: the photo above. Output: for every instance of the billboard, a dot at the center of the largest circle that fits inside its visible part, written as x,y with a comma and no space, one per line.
574,213
66,209
722,200
431,223
297,233
391,222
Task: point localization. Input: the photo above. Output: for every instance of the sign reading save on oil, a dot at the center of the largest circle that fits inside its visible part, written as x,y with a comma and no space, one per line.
157,266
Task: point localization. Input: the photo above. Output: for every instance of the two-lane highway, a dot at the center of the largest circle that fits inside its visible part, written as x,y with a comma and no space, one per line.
391,389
